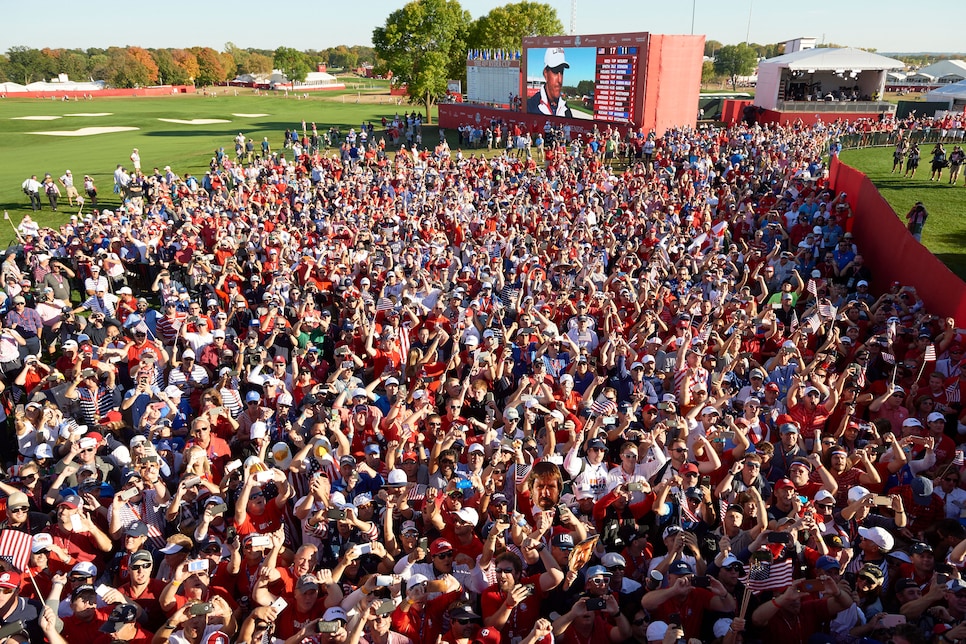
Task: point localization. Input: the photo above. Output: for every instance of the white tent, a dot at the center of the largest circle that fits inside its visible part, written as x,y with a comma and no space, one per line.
821,70
10,88
954,94
945,71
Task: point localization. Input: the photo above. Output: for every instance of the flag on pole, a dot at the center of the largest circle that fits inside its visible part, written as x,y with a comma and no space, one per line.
813,323
952,393
603,406
958,458
15,548
812,288
384,304
889,358
930,354
766,575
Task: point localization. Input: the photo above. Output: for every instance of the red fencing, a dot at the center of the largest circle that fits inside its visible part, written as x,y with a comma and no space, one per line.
163,90
892,253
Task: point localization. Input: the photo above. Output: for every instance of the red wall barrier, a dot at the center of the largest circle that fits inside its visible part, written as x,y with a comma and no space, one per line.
733,109
890,250
164,90
452,115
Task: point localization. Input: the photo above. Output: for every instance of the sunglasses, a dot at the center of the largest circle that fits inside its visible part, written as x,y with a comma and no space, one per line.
13,510
680,450
639,622
146,566
444,555
463,621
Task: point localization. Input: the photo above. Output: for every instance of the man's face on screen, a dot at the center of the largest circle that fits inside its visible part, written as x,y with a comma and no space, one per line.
554,83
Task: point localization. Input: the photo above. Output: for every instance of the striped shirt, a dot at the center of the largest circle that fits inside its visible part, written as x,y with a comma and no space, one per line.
150,512
94,405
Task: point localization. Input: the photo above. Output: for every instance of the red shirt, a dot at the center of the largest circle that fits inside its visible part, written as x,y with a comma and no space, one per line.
291,619
687,612
269,521
77,630
796,629
423,626
523,616
148,600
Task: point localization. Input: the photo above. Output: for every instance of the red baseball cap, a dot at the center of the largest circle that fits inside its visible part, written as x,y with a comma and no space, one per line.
487,636
10,579
784,483
440,546
688,468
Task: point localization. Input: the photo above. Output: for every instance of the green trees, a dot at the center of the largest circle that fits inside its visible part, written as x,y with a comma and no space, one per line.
424,44
734,61
292,63
505,27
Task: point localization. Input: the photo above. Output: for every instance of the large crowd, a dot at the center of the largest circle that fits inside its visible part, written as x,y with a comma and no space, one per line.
431,396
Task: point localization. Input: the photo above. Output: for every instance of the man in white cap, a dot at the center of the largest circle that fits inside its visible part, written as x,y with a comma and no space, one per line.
549,100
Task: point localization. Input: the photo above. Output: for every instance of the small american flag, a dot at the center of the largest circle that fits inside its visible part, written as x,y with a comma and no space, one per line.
603,406
15,548
958,458
384,304
952,393
704,336
812,288
813,323
891,330
888,357
766,575
827,311
930,354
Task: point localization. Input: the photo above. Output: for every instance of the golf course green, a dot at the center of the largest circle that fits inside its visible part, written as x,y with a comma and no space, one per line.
50,136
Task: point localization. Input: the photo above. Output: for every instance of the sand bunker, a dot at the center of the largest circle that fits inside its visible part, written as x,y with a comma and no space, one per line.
195,121
249,116
86,131
90,114
34,118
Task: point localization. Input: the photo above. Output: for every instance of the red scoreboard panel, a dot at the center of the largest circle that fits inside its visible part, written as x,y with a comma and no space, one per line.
616,83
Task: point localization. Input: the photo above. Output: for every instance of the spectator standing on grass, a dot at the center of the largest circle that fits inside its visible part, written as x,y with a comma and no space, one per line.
31,188
938,162
917,220
912,161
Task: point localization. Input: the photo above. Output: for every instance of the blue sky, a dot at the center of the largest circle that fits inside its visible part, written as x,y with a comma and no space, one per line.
887,25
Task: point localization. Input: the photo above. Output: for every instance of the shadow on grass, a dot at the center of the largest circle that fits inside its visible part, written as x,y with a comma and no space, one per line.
954,262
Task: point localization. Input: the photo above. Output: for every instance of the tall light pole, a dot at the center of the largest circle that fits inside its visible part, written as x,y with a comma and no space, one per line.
751,4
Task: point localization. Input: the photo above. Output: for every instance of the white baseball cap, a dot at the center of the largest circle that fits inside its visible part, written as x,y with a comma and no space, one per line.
554,58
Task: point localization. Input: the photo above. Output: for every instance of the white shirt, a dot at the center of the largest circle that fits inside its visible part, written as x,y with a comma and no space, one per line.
955,501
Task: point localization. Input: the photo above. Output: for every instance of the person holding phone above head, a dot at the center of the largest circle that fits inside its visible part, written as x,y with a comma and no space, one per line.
512,604
549,99
687,598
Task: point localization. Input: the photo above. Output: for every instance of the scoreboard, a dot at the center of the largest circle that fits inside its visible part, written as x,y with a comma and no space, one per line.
616,80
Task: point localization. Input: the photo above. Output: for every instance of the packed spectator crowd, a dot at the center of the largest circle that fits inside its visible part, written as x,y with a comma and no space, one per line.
434,397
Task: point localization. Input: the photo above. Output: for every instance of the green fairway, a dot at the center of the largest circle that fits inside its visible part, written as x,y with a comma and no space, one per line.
186,148
945,231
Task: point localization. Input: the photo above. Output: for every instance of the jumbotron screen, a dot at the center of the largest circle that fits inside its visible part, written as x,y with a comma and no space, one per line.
598,83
